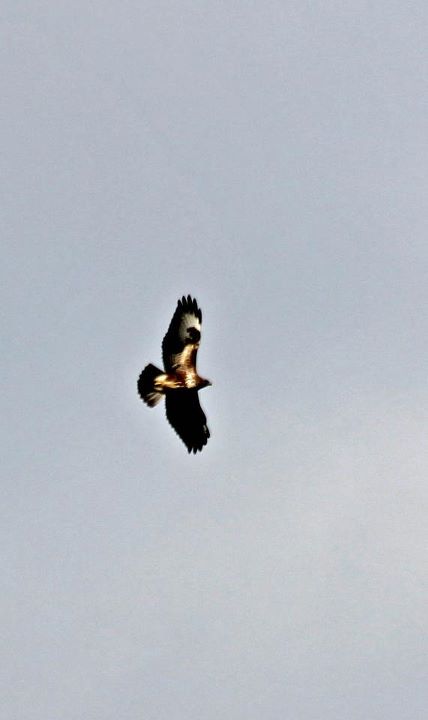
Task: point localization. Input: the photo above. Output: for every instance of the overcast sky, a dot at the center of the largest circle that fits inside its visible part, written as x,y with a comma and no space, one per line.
270,158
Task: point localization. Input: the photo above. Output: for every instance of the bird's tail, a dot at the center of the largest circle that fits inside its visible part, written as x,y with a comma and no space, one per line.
146,385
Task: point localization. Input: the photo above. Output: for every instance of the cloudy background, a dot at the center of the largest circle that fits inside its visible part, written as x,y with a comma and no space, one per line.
271,159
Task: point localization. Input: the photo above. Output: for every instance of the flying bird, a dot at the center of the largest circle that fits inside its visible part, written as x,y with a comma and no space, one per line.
179,382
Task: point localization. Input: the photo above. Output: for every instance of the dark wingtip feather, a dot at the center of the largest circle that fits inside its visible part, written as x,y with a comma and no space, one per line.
191,305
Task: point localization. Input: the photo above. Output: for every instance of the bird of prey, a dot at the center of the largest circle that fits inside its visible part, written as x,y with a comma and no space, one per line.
180,382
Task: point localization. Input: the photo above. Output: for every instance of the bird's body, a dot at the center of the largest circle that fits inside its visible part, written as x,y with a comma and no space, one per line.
179,382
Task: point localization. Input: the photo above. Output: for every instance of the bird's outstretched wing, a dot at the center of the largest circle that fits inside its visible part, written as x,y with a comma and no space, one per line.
187,418
181,342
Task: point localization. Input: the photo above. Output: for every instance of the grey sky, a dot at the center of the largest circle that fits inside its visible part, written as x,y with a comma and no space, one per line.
271,159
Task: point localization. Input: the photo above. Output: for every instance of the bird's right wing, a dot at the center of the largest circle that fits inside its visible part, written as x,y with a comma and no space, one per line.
181,342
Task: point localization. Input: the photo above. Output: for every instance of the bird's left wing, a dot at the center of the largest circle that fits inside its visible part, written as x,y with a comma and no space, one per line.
181,342
187,418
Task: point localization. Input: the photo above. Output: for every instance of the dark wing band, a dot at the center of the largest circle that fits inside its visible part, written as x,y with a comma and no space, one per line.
181,342
187,418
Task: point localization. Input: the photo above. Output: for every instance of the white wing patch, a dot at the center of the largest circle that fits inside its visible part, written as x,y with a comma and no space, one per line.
188,321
